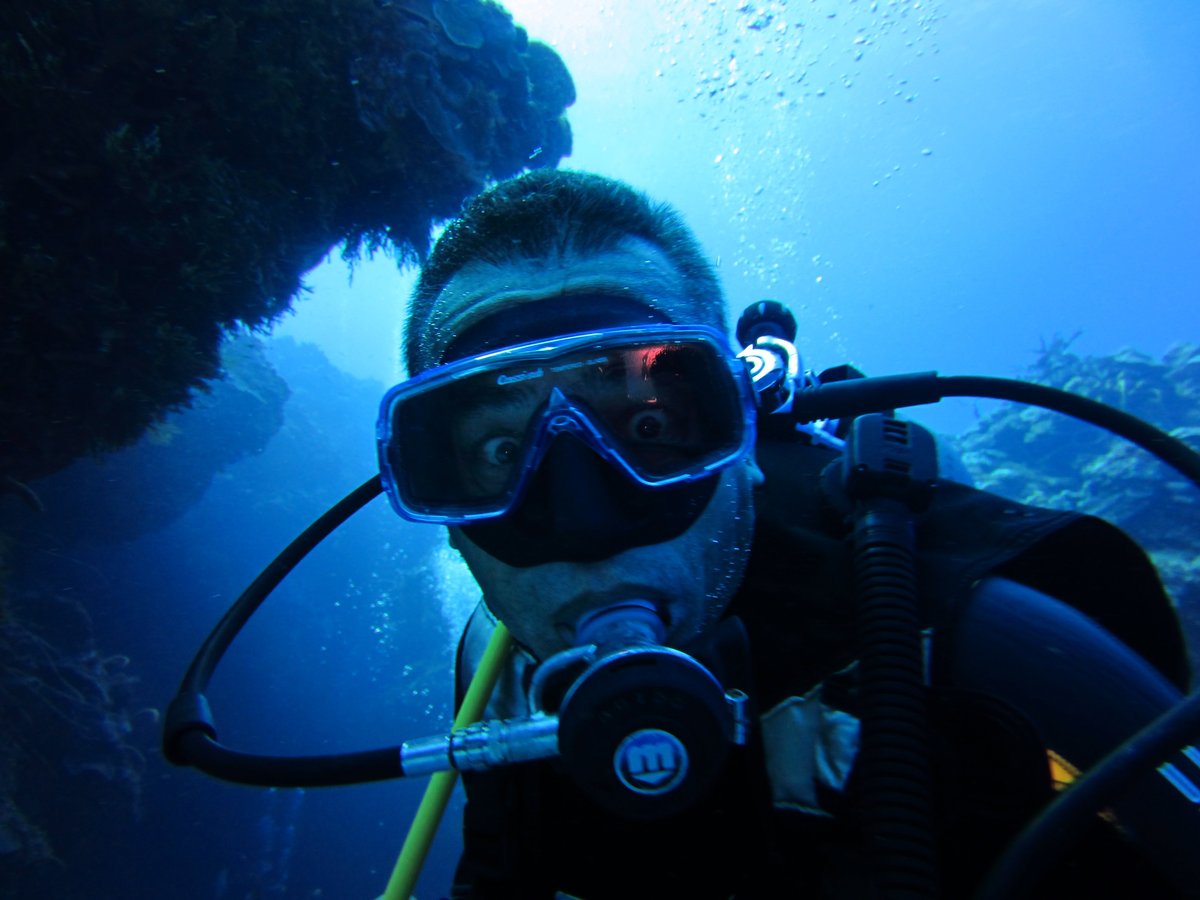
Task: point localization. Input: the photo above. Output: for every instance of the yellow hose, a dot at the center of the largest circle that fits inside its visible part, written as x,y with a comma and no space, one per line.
441,784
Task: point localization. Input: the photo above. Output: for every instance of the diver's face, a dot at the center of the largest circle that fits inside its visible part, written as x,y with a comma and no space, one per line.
691,577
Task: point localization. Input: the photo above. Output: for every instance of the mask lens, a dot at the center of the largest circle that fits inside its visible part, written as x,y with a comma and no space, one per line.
665,407
452,454
460,443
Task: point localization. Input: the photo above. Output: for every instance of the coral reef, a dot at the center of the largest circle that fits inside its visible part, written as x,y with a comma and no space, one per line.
171,168
58,691
1048,459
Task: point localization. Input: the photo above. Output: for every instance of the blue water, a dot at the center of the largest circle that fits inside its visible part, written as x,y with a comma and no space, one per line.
361,618
929,185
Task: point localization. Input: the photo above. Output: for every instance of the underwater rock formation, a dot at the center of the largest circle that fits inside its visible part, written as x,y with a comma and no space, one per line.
142,488
171,168
1044,458
58,689
103,617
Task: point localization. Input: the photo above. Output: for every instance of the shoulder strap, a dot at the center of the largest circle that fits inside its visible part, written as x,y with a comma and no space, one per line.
801,557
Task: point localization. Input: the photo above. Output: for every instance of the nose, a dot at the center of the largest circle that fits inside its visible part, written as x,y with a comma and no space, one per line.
582,500
580,508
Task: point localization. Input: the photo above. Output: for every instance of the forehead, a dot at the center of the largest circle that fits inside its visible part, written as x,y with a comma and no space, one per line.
636,271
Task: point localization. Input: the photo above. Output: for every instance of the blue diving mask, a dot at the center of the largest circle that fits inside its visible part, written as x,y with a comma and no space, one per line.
663,404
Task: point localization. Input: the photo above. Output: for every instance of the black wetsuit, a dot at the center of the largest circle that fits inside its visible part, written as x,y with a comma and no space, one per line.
1013,673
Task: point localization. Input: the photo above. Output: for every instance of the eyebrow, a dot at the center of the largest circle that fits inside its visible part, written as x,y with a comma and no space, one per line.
498,397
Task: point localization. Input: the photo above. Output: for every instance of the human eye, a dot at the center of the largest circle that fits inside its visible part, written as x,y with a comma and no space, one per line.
498,450
658,439
656,425
648,425
486,464
487,439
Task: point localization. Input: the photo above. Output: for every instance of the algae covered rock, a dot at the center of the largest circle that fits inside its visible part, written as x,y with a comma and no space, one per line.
1048,459
171,168
142,488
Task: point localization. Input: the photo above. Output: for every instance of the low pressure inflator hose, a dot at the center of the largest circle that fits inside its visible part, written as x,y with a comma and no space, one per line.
888,472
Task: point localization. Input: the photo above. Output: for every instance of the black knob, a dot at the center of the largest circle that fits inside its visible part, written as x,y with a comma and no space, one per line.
766,317
645,732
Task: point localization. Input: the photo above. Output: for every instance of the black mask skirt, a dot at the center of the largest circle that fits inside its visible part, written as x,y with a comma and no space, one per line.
579,508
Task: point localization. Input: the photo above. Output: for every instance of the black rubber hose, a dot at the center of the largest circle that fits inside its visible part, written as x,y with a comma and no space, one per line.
1172,451
1061,823
189,731
893,763
210,653
201,751
855,397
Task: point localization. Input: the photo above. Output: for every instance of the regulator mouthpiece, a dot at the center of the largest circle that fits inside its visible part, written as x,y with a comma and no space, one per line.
621,625
645,729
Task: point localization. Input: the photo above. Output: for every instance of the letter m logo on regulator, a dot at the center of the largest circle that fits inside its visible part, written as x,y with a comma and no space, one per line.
651,761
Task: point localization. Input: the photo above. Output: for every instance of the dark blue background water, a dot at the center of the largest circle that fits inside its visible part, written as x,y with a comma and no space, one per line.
353,651
928,185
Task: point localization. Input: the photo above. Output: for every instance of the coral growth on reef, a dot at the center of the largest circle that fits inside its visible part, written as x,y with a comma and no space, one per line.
171,168
1048,459
58,691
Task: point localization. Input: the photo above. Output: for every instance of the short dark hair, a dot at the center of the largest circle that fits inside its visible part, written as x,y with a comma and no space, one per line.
545,213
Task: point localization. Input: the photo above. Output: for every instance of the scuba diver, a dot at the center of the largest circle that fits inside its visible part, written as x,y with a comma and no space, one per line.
759,649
